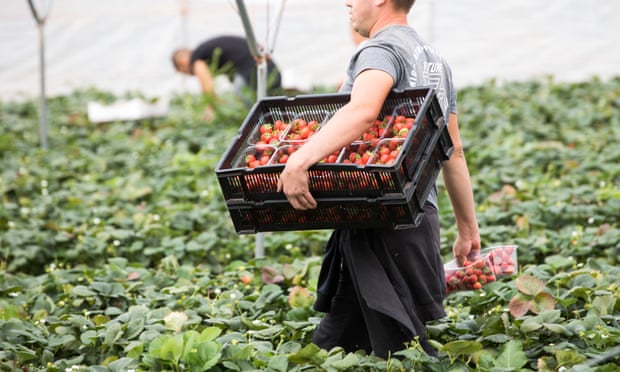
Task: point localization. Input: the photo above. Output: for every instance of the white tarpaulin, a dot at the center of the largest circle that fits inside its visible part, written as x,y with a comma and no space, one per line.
125,45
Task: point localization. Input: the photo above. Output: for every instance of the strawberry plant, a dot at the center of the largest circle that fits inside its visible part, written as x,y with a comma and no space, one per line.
531,297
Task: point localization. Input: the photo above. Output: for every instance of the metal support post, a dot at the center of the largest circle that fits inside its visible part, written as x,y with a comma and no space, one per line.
261,90
42,98
40,19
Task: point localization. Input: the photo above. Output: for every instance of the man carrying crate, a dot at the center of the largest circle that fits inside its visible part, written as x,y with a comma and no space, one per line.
379,287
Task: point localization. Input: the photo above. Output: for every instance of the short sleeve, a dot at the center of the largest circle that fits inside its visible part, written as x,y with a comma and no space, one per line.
375,58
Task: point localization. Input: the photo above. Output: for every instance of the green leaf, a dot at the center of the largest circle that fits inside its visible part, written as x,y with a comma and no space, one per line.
113,332
559,262
309,354
134,349
278,363
56,341
101,287
268,333
461,347
230,366
190,338
82,291
167,347
122,365
530,324
290,347
511,356
9,311
239,353
549,316
485,359
134,328
557,328
269,293
568,358
88,337
604,305
202,356
590,321
498,338
584,280
346,363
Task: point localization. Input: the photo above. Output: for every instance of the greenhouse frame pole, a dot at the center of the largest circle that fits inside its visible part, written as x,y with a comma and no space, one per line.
43,104
261,90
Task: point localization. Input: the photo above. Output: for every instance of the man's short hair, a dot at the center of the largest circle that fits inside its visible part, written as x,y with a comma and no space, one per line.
403,4
175,56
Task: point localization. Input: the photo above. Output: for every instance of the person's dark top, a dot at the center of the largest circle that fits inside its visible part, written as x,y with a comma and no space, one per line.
235,58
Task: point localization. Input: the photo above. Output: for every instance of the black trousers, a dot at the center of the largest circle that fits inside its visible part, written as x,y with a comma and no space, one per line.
412,262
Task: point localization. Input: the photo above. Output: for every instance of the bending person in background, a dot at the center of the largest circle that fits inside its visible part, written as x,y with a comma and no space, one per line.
227,55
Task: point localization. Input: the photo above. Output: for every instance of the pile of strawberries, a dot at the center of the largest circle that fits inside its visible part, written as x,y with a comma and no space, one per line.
503,260
472,275
475,273
381,144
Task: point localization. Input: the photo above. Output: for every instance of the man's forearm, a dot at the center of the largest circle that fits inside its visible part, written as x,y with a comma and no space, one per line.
458,184
201,71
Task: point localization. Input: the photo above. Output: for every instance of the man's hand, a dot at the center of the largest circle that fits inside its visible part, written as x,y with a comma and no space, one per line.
208,114
294,184
465,248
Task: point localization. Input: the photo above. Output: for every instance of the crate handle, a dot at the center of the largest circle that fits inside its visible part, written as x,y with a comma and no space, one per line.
436,113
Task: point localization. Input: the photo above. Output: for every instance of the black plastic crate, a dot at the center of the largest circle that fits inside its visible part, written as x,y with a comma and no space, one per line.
431,165
333,180
278,215
393,212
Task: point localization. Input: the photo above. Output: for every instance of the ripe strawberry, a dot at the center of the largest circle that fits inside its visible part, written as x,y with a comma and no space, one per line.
250,158
366,157
453,282
354,157
264,159
314,125
279,125
305,132
265,128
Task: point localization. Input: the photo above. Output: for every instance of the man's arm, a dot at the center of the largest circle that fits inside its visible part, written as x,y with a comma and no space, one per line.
458,183
368,94
201,71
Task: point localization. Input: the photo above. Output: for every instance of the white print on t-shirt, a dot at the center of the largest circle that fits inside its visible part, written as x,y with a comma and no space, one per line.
432,74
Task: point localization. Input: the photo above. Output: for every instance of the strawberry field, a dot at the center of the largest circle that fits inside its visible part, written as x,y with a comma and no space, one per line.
117,252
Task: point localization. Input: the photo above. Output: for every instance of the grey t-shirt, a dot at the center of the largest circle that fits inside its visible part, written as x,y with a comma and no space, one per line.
404,55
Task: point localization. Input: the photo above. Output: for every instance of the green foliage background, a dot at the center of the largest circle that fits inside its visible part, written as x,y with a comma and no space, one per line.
117,252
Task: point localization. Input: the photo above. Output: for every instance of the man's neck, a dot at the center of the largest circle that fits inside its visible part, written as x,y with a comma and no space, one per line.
390,19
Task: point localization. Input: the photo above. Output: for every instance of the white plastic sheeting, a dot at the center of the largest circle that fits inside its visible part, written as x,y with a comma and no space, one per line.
125,45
